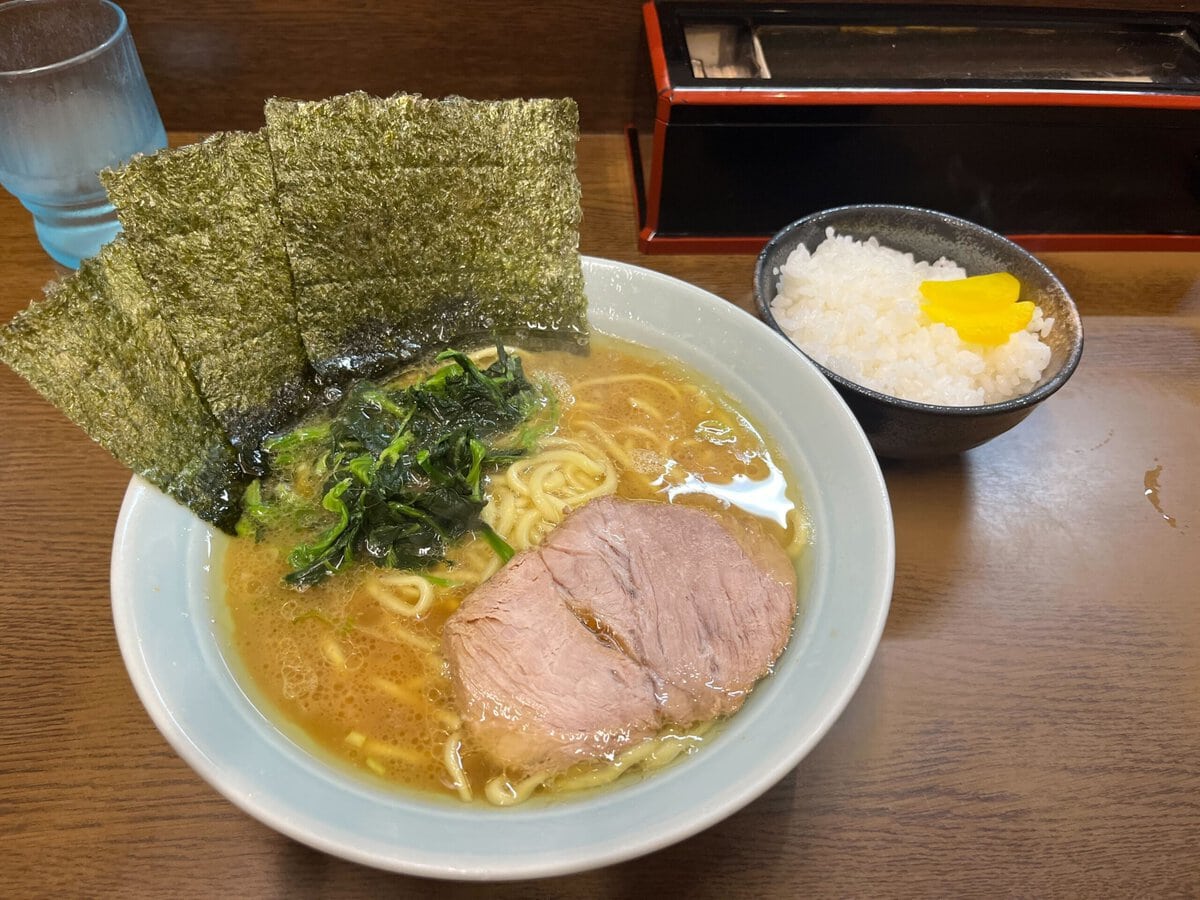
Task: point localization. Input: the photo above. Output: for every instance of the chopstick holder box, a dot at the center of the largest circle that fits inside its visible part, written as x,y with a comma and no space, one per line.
1063,129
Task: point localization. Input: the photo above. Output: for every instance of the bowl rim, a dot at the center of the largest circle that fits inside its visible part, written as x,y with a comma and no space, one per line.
1004,407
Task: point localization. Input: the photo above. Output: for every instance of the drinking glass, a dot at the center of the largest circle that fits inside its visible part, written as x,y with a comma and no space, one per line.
73,101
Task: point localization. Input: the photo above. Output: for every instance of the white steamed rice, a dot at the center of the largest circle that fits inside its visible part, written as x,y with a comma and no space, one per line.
854,306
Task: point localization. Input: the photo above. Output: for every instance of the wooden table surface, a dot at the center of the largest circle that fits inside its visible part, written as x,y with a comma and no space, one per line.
1030,724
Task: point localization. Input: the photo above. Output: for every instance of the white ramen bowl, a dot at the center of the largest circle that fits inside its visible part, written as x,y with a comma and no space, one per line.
169,623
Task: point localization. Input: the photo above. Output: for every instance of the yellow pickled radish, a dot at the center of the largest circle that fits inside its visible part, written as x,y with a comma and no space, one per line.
983,309
974,293
993,327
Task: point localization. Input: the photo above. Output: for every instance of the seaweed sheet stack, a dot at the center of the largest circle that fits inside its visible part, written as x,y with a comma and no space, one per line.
408,221
348,237
202,225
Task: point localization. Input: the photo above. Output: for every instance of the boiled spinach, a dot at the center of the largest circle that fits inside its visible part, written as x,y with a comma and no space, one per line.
395,474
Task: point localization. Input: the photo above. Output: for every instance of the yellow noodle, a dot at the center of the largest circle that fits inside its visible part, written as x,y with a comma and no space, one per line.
535,493
652,753
392,632
663,753
475,565
513,476
332,651
550,507
416,701
607,486
490,568
564,455
388,590
622,454
377,749
658,442
523,533
451,720
501,512
801,534
478,356
614,449
646,405
452,759
397,692
578,480
605,773
621,379
502,792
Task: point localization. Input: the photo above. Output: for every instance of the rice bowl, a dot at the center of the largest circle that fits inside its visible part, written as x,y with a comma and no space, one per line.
854,306
910,429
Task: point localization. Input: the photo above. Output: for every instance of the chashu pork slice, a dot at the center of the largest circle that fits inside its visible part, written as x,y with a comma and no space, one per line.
677,591
536,688
631,616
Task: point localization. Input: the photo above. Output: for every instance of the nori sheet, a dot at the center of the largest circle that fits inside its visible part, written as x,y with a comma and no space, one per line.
189,188
411,228
393,324
360,131
394,210
205,232
357,233
93,352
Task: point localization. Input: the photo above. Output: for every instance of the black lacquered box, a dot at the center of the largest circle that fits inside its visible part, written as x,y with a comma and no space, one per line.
1064,129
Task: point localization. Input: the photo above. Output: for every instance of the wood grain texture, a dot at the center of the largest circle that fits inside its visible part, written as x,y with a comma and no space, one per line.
211,64
1030,725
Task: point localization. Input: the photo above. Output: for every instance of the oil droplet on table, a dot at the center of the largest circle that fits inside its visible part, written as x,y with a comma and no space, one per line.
1150,481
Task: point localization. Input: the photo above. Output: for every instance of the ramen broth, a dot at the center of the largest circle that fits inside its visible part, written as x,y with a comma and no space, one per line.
348,661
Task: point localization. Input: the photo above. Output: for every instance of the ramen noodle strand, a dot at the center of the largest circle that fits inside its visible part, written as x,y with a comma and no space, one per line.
608,772
657,442
382,749
501,512
646,406
649,755
614,449
332,651
452,759
575,456
635,376
665,752
389,589
472,565
451,720
513,476
478,356
607,486
416,641
502,792
396,692
578,480
623,454
551,508
801,534
522,537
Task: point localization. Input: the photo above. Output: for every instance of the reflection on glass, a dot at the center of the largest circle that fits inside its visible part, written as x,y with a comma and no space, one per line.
863,54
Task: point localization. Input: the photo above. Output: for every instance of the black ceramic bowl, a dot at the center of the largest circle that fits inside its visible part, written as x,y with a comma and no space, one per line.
906,429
